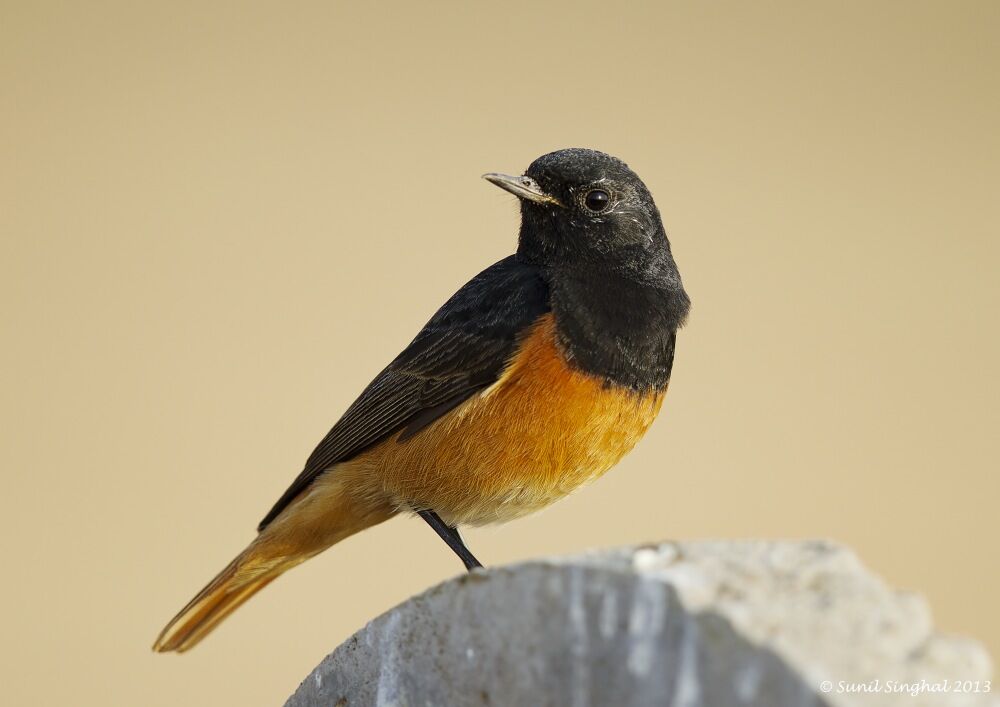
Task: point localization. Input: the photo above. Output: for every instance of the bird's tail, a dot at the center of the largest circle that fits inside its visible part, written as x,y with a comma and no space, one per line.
246,575
323,516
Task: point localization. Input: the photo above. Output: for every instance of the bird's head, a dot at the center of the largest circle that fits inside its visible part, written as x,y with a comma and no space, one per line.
588,209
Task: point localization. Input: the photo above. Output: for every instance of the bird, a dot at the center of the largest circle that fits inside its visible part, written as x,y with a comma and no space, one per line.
534,378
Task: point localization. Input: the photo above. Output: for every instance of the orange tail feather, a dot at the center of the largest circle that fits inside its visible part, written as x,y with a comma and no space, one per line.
241,579
325,515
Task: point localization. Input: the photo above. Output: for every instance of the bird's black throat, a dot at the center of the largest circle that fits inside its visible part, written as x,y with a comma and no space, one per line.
616,326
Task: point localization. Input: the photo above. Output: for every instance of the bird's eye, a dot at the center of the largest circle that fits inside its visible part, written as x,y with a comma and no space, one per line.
597,200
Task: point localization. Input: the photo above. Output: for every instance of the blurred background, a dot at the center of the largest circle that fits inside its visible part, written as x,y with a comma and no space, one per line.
219,220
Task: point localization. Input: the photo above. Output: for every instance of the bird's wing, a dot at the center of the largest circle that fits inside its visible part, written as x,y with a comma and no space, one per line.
459,352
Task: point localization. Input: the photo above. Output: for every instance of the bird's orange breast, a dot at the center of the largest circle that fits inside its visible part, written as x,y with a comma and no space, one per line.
539,432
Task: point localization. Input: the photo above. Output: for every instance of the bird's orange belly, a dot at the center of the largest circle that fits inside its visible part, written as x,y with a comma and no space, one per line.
538,433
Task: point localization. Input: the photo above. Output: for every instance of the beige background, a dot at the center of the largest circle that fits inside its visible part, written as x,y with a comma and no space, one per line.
220,220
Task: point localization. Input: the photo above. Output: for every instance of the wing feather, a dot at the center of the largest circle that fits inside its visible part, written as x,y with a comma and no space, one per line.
459,352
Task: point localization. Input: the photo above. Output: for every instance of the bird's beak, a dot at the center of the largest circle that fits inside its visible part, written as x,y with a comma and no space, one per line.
521,187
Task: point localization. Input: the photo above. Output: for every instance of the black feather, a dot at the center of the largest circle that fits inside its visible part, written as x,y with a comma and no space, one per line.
459,352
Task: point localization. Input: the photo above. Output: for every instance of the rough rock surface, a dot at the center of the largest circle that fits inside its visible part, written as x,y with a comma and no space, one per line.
704,624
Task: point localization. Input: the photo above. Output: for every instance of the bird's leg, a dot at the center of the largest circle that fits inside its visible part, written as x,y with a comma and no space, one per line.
450,535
